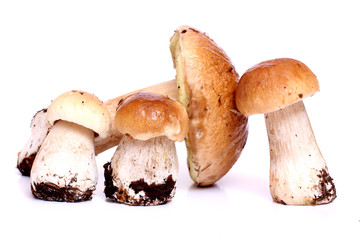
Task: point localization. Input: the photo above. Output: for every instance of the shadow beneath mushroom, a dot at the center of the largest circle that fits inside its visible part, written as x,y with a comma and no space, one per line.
209,195
24,185
248,184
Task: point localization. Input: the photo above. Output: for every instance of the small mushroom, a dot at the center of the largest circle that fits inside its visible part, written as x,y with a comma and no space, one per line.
167,88
298,171
207,81
144,168
64,169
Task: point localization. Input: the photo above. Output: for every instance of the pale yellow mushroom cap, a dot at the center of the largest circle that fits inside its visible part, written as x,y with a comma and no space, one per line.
82,108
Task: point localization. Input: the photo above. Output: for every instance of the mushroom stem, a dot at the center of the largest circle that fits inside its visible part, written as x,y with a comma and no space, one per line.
39,130
298,171
64,168
142,172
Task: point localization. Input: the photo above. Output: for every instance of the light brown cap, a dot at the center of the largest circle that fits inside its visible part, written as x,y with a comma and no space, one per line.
207,82
145,115
82,108
274,84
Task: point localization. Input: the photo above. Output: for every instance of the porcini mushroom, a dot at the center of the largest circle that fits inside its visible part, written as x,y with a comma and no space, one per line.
207,81
64,169
167,88
144,168
39,130
298,171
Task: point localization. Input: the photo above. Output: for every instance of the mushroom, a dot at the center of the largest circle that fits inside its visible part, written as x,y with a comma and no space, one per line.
144,168
40,128
167,88
207,81
64,169
298,171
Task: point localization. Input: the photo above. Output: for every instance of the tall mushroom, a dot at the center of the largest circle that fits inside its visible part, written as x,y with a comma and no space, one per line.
207,81
298,171
64,169
144,168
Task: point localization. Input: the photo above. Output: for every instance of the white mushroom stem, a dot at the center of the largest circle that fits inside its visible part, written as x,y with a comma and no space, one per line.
298,171
39,130
64,168
142,172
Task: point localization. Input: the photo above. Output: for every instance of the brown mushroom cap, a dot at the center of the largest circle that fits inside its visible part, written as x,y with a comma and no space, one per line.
207,81
145,115
274,84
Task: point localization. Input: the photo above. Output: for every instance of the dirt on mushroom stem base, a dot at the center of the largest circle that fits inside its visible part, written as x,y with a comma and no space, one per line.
298,171
154,194
51,192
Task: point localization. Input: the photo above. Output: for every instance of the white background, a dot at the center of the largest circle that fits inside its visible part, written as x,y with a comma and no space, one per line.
112,47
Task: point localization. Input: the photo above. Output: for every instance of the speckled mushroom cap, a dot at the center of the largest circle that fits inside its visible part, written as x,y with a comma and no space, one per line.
82,108
274,84
207,81
145,115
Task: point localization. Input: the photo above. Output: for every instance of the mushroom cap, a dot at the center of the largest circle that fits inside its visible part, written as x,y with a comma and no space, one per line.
82,108
274,84
217,134
145,115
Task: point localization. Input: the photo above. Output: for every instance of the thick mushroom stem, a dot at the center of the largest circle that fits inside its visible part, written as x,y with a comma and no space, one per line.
142,172
298,171
64,168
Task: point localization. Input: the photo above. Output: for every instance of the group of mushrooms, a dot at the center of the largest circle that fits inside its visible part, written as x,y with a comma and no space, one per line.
208,105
